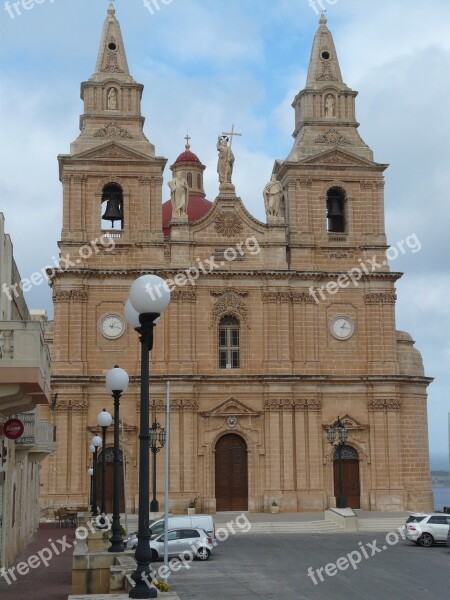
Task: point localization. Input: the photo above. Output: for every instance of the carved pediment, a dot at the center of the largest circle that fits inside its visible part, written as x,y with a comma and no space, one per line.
338,157
231,407
110,150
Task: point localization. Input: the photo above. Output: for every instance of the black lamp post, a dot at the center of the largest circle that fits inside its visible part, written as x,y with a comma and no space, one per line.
116,383
104,420
96,443
90,473
337,431
157,441
149,297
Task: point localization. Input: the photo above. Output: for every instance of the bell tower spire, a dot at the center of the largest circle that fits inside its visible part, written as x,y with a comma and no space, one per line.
325,108
112,59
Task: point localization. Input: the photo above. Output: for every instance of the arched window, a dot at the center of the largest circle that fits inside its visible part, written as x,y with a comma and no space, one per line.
229,350
189,179
112,195
199,181
336,207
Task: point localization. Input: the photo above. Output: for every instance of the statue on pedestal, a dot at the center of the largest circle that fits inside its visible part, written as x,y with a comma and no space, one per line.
329,106
112,99
226,160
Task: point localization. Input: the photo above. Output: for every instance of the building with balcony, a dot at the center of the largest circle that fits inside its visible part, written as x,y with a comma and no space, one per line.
24,386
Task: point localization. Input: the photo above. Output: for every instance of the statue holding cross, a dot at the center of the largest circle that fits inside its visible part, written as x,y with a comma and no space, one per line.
226,157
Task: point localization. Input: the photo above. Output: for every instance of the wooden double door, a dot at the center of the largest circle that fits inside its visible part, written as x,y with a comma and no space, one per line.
350,481
231,473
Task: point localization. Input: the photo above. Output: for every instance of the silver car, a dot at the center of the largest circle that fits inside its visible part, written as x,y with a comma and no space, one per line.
426,529
183,541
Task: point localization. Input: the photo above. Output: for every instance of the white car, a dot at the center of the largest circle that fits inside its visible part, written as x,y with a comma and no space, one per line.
426,529
175,522
195,541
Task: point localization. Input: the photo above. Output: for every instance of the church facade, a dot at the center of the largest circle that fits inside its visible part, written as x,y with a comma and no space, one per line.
274,328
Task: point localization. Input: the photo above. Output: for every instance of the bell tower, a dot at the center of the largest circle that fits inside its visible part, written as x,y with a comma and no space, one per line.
112,178
334,189
112,189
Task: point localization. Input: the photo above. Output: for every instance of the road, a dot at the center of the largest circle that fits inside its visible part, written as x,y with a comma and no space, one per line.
260,566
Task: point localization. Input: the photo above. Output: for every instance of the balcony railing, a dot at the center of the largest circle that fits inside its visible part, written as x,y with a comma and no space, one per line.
38,435
24,365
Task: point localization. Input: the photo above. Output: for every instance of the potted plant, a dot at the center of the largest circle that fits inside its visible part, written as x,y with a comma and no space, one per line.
274,508
192,504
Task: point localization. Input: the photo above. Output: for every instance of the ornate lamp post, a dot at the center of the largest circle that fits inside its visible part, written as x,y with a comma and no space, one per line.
157,441
338,432
104,420
149,297
96,443
116,383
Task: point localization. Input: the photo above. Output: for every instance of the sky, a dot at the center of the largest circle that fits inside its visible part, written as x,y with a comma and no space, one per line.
209,64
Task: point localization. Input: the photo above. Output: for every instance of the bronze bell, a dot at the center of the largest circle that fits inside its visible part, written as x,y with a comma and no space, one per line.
113,210
335,209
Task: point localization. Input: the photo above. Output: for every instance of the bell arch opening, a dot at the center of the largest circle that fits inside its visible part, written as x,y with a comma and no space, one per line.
112,199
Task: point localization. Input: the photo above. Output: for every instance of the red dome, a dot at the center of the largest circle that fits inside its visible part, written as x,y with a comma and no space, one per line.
198,207
187,156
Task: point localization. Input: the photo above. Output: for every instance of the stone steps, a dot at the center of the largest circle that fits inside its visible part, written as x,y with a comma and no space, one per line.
391,524
288,527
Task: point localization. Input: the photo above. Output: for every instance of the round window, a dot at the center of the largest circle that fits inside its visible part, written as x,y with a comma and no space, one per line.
112,46
326,55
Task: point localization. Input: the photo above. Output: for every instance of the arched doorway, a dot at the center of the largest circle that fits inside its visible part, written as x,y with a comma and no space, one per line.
109,453
231,473
350,476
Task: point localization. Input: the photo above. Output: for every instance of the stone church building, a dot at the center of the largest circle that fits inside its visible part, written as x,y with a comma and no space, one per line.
269,344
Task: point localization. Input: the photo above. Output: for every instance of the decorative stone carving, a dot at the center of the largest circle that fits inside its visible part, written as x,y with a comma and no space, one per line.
79,178
232,422
111,63
305,183
385,404
66,295
230,302
113,131
308,404
113,152
367,185
332,137
338,254
380,298
228,223
289,404
300,297
183,296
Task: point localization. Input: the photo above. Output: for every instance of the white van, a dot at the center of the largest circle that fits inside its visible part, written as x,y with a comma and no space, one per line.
204,522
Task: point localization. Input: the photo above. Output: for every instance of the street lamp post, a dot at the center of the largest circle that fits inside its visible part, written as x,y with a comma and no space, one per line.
157,441
90,473
96,443
104,420
337,431
149,297
116,383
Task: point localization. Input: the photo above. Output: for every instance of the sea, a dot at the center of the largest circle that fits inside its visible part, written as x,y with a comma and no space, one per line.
441,497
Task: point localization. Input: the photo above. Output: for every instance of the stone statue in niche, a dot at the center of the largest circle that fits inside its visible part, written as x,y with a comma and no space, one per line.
112,99
225,161
273,197
179,195
330,106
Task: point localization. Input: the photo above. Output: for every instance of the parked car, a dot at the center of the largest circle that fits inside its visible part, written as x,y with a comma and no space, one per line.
425,529
157,527
448,537
179,541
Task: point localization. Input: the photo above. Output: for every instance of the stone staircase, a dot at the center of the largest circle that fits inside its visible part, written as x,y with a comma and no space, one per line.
381,524
322,526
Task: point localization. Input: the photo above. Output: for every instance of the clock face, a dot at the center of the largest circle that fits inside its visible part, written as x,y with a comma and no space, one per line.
342,327
112,326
